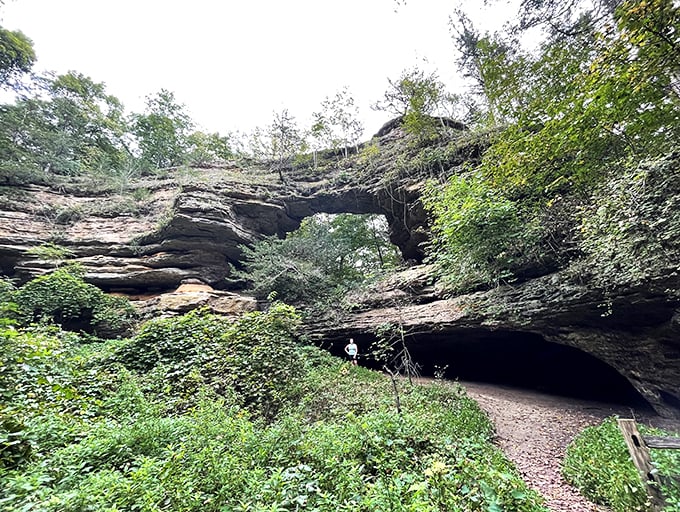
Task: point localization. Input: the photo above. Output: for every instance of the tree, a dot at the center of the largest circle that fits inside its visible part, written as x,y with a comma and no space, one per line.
416,97
207,148
496,68
596,99
16,56
162,131
327,254
337,124
91,119
278,143
69,126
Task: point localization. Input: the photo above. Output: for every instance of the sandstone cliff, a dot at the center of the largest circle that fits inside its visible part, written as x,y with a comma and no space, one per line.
169,231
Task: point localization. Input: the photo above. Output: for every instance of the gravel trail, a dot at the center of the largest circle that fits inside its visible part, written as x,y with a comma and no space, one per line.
534,429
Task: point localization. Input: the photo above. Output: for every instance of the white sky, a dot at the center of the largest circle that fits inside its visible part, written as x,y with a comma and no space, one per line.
233,62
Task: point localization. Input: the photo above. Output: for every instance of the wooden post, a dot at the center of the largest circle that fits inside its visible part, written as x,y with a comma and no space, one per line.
642,460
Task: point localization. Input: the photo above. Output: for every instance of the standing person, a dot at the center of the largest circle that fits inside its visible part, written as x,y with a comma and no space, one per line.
352,350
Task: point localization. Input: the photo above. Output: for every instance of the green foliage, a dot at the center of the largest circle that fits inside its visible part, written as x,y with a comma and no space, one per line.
630,234
51,252
63,297
200,349
598,463
479,236
207,148
45,391
591,101
415,96
70,126
16,56
162,132
497,69
80,433
326,255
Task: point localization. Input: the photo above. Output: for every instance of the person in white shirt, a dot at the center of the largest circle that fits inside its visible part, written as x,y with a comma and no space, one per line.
352,350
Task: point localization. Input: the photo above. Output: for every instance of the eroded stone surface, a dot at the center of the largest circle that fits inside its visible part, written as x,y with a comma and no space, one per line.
639,335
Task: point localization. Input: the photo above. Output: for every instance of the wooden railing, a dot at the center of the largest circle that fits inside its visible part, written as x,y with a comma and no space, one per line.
638,446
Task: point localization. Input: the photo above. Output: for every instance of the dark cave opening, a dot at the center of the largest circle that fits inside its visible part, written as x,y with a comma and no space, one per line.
517,359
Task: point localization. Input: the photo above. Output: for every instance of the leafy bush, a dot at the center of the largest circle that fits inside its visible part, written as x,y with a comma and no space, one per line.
199,349
598,463
479,236
43,395
63,297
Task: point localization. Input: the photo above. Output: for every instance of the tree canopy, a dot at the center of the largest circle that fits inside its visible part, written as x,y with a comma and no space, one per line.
16,56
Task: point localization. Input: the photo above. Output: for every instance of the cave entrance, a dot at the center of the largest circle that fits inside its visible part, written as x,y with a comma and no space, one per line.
522,360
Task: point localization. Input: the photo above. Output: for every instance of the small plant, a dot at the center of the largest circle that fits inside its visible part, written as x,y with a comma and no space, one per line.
598,463
51,252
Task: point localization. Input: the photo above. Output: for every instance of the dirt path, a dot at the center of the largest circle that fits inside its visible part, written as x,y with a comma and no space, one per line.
533,429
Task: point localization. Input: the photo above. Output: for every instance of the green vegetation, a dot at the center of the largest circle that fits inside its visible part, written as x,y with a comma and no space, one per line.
416,97
16,56
479,236
561,183
598,463
63,297
320,261
198,412
569,164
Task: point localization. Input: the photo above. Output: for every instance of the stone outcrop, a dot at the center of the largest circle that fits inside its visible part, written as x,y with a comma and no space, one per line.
194,295
637,332
178,232
172,231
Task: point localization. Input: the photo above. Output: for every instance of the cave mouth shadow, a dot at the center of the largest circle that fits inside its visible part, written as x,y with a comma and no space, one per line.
521,360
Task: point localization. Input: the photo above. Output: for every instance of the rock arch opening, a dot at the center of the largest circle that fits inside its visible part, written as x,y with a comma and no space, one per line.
523,360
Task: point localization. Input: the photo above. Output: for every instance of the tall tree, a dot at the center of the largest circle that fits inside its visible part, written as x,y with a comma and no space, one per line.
496,68
162,131
208,148
337,124
16,56
594,94
70,125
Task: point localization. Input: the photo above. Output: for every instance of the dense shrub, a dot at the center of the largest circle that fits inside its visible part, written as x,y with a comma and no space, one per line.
43,395
598,463
63,297
103,439
479,236
198,348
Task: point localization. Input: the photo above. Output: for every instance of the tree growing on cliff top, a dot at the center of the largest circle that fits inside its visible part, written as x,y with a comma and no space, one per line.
337,125
162,131
416,97
278,143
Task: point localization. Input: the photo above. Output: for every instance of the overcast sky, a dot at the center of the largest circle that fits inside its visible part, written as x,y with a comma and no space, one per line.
233,62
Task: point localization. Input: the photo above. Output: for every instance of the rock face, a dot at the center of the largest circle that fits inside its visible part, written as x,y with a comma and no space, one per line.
638,335
180,232
174,230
